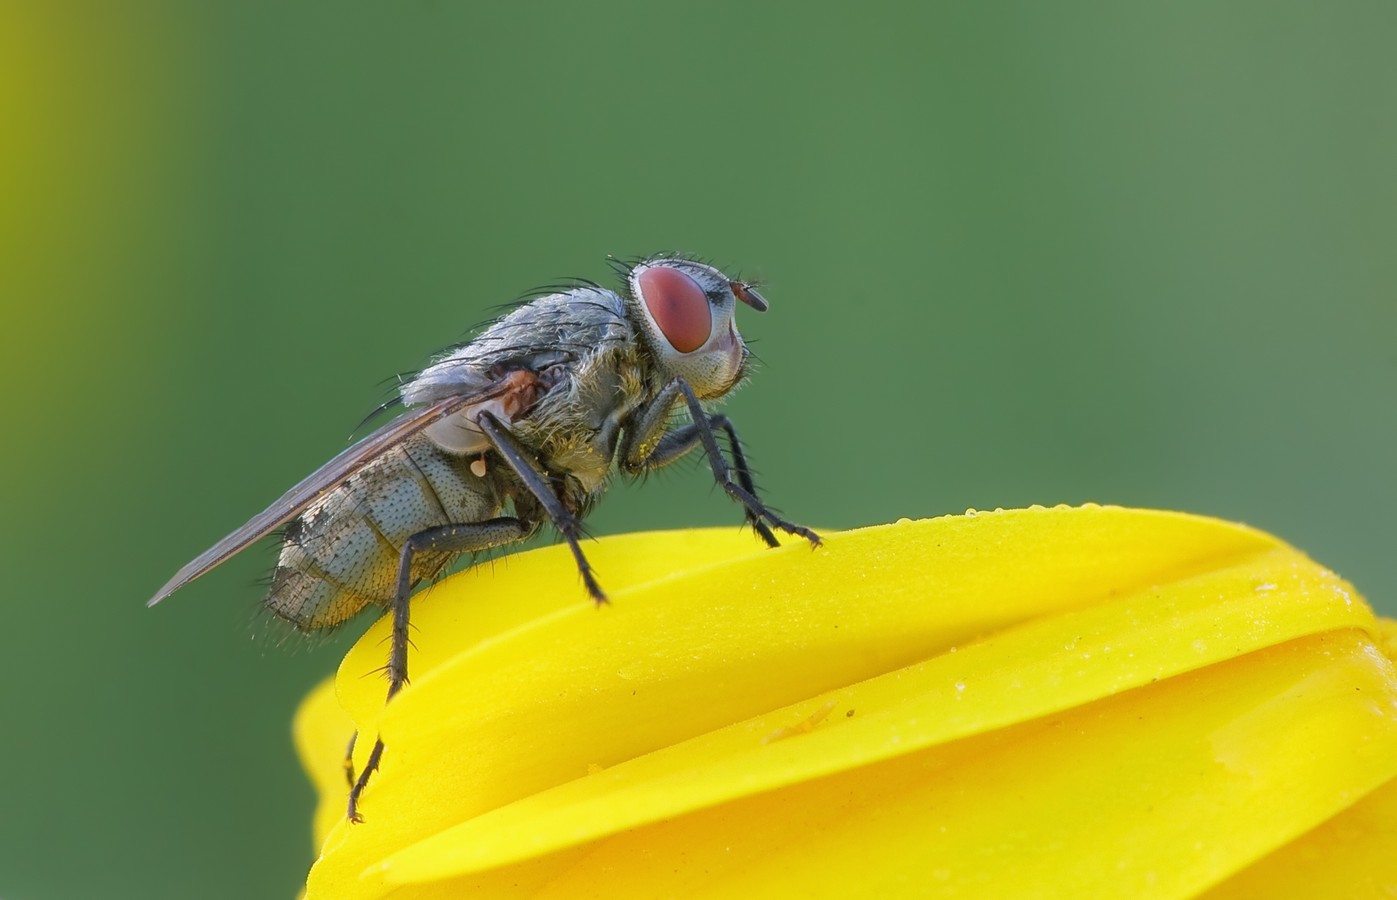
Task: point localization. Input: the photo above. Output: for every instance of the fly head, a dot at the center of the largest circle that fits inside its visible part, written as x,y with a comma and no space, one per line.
683,310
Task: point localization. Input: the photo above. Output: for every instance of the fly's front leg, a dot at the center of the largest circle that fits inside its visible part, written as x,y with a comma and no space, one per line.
643,452
469,538
648,445
522,462
744,472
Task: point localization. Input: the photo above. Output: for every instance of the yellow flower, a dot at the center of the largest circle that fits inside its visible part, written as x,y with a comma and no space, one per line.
1080,702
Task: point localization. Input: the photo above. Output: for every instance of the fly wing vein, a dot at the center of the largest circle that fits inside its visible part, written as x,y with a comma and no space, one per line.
327,477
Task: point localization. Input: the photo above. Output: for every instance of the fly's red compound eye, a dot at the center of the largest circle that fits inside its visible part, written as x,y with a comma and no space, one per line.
678,305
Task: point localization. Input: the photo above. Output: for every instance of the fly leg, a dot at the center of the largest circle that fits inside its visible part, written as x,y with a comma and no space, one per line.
522,462
678,442
739,465
349,759
647,445
448,539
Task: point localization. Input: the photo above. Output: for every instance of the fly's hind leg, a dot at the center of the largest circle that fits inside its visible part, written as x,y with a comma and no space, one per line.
448,539
349,759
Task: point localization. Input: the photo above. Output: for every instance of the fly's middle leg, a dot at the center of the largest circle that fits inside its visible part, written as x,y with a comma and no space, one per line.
521,461
448,539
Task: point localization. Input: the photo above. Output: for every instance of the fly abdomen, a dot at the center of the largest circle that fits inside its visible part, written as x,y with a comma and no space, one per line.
343,552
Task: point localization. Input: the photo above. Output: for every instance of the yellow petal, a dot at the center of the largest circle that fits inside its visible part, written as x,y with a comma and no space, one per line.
1351,855
320,727
749,680
1101,801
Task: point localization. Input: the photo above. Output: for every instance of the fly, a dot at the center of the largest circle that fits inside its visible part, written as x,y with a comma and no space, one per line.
522,425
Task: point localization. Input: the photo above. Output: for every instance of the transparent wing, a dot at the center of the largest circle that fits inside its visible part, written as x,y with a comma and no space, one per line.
327,477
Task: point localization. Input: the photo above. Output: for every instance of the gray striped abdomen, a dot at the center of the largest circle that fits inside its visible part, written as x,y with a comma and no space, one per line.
342,553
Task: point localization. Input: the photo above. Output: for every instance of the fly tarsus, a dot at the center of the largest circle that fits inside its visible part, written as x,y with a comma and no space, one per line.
571,530
375,756
744,478
349,760
758,511
744,489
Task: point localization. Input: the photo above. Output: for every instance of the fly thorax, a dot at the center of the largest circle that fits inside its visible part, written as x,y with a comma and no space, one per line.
575,427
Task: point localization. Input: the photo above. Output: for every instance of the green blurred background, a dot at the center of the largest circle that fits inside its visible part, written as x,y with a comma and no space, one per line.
1016,253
